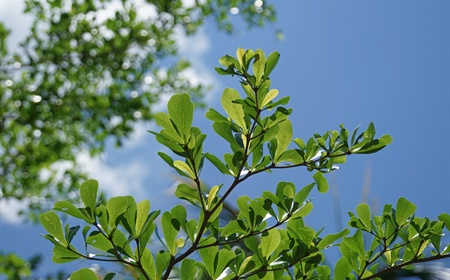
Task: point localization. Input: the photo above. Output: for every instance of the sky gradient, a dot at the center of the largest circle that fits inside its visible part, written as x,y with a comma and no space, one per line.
349,62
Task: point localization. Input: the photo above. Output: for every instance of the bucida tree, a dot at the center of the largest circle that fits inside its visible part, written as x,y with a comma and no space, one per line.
274,242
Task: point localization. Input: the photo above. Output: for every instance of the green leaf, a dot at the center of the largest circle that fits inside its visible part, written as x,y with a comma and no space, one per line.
212,195
148,264
330,238
284,138
370,132
170,226
69,208
224,130
269,97
162,261
218,163
342,269
363,211
63,255
234,110
128,219
97,240
269,242
221,262
445,217
109,276
322,183
51,222
208,256
182,166
71,232
83,274
356,243
181,112
188,269
374,145
271,62
169,131
88,193
143,208
188,193
404,210
258,66
215,116
116,206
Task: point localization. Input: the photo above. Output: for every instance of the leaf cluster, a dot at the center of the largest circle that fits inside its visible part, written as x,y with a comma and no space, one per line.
268,239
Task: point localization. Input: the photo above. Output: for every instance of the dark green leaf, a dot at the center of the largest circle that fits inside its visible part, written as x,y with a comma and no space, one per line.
271,62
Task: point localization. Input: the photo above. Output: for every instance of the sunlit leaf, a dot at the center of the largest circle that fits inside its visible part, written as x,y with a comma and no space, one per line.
404,210
83,274
181,112
51,222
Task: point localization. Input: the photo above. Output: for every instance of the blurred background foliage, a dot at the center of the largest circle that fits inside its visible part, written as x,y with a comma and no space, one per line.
88,71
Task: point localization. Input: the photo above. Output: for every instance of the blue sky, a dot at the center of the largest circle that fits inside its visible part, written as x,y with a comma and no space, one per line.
347,62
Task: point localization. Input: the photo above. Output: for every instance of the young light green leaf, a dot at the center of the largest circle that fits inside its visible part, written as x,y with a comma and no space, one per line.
321,181
234,110
181,165
269,97
212,195
258,66
51,222
404,210
181,112
143,208
363,211
83,274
